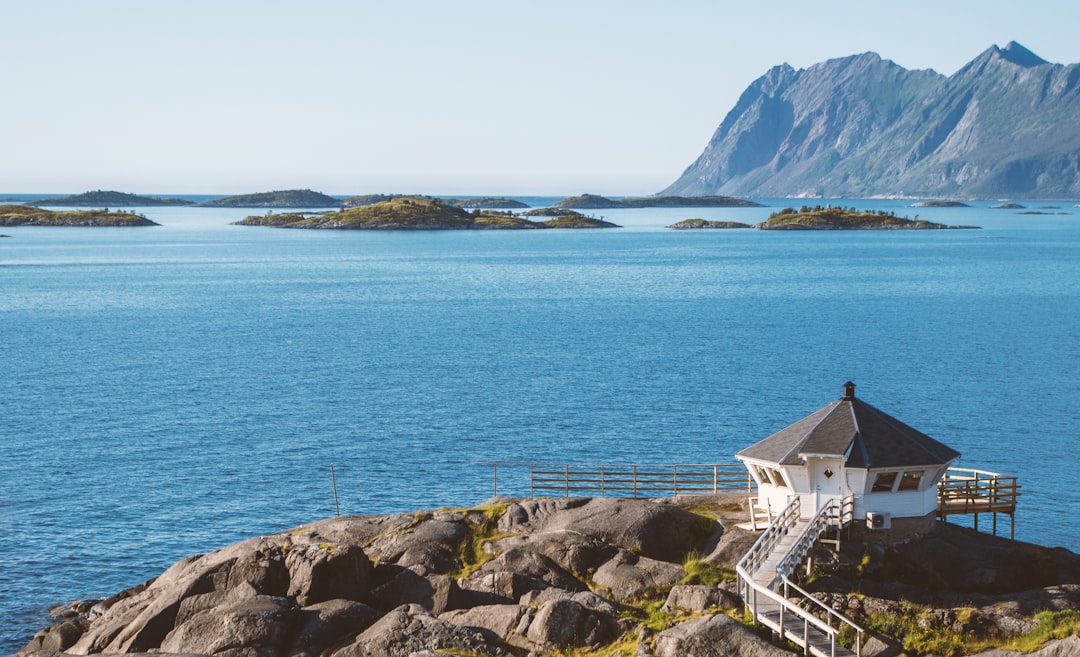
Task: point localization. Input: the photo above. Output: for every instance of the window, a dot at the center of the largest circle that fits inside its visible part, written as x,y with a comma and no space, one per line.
911,480
883,482
776,477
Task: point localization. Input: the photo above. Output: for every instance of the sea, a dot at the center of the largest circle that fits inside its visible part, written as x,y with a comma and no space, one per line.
169,390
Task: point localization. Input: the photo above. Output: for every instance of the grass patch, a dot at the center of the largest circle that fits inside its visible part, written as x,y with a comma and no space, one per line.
471,554
1052,625
699,571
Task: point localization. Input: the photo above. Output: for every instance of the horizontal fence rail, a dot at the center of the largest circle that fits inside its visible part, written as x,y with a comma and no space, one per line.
963,490
621,479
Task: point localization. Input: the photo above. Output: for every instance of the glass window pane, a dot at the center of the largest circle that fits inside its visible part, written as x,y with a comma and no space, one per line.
883,483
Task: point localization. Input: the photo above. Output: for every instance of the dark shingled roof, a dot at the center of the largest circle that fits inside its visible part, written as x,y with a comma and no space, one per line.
851,428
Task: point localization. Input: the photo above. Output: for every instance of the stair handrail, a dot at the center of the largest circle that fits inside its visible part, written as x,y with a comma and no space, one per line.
749,589
829,516
772,535
829,611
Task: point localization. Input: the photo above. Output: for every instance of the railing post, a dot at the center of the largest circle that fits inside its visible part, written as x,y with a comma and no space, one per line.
495,478
532,493
675,479
635,482
603,490
566,480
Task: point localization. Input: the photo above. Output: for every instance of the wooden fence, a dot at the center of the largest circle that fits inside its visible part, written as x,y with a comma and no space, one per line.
626,480
965,491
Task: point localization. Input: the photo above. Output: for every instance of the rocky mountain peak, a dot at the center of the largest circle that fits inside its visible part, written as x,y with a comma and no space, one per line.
1007,124
1021,56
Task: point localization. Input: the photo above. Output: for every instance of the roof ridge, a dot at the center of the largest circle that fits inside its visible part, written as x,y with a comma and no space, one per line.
858,435
902,430
802,440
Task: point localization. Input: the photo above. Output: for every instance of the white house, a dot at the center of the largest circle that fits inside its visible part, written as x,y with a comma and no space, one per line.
850,448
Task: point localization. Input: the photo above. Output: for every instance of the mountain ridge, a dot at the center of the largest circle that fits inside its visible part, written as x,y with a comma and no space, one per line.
1007,124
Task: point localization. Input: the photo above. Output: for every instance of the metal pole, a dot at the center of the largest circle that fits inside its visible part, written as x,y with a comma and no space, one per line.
495,478
333,480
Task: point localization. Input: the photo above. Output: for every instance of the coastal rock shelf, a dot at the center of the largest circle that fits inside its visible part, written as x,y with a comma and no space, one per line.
551,576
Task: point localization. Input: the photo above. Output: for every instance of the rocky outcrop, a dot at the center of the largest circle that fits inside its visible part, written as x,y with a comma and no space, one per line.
542,577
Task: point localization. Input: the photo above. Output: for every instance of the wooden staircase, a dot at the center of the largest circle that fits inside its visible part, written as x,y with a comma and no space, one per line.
775,601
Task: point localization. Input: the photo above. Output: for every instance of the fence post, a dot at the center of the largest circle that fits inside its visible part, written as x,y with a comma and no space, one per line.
531,492
675,479
566,480
495,478
635,482
603,490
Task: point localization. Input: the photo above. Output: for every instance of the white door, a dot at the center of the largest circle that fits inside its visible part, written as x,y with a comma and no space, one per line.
825,476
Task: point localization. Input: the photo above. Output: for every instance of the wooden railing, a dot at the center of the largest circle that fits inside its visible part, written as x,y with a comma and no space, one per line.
835,515
768,595
965,491
626,480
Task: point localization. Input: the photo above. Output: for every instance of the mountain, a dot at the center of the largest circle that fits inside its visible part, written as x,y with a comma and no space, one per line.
1007,124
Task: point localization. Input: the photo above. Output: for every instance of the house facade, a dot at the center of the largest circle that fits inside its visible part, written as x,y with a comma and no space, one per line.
850,449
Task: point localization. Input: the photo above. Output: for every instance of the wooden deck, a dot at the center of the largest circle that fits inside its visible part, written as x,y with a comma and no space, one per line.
964,491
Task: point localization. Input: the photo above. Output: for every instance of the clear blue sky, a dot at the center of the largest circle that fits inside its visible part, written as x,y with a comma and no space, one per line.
508,97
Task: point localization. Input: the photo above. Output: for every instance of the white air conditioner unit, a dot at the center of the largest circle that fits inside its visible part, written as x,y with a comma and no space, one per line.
878,520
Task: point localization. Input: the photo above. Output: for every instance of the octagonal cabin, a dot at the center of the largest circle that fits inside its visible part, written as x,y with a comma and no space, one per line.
850,449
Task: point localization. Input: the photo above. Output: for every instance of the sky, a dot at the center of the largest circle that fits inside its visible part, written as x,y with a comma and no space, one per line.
414,96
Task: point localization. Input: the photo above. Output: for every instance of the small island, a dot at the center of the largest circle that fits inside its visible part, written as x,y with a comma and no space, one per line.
702,224
831,218
486,203
552,212
940,204
288,198
416,214
594,202
21,215
105,199
1007,206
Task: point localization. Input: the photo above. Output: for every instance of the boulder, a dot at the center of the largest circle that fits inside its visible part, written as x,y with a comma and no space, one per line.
324,571
629,575
698,597
709,636
326,624
565,623
502,620
497,587
250,628
653,528
411,629
587,599
58,637
523,561
435,593
577,553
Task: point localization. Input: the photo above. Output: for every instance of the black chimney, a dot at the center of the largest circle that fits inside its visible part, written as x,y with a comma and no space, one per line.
849,390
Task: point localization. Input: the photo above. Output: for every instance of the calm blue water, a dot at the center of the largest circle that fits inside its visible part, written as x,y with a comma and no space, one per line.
166,391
